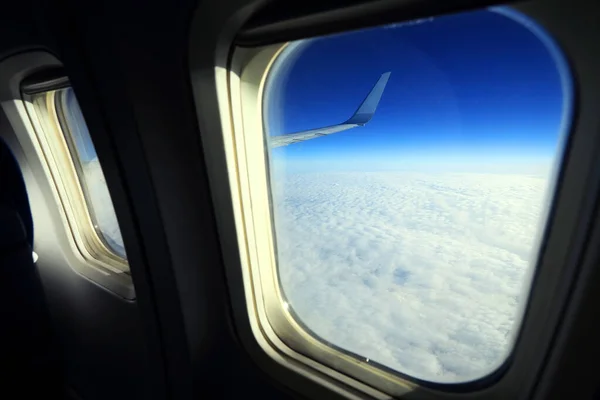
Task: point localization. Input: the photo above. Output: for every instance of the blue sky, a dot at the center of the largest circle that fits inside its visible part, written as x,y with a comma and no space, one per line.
470,88
79,129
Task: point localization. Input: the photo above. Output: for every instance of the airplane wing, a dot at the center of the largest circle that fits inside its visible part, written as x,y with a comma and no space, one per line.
363,114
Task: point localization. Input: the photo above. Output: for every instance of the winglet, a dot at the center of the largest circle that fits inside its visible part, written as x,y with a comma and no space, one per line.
367,108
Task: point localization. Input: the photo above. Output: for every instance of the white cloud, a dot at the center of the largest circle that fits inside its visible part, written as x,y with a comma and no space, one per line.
422,272
102,206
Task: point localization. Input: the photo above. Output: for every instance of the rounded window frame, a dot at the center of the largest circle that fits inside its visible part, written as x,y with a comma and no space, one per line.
248,77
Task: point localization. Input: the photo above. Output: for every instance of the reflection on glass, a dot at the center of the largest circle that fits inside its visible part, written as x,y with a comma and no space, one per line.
411,240
96,191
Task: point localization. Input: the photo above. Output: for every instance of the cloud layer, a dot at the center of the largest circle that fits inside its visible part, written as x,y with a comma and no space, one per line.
425,273
102,206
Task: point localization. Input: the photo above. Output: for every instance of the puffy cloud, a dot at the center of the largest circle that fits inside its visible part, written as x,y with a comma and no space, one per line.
425,273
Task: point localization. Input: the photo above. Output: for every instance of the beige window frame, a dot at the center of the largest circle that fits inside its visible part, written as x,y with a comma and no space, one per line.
52,139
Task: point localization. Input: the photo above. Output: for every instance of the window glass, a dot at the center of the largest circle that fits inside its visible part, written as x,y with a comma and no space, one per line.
408,235
91,176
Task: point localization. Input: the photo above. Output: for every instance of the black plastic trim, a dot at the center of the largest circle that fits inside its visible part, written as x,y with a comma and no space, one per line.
45,81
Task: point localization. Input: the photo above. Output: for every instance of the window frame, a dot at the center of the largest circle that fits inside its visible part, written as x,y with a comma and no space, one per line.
234,83
53,138
292,331
96,242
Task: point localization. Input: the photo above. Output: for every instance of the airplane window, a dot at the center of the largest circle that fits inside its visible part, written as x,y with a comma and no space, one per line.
412,166
90,173
88,224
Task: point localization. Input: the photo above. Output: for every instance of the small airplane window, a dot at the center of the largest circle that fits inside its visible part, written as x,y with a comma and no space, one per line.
90,172
412,166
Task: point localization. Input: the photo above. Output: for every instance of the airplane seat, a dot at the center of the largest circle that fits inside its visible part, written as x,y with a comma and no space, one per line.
27,347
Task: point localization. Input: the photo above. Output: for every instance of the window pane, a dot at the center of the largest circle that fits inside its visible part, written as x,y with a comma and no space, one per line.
411,239
91,176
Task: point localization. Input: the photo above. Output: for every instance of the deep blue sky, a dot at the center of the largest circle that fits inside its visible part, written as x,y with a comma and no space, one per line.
471,88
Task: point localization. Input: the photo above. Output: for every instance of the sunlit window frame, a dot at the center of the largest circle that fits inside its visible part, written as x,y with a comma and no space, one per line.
247,83
53,137
246,156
